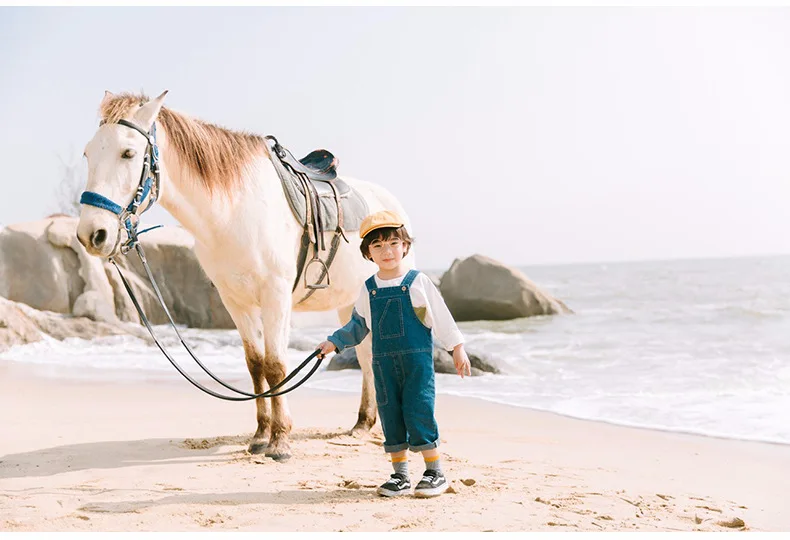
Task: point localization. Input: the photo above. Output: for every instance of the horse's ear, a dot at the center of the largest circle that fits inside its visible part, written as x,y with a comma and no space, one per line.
107,97
146,114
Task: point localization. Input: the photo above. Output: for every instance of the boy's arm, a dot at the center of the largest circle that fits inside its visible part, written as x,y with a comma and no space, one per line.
442,321
351,334
447,332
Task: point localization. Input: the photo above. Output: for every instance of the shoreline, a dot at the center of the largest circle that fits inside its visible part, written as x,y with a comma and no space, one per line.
171,377
79,455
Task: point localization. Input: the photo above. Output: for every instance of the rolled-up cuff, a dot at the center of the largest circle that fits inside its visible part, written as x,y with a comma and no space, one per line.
453,340
423,447
339,346
395,448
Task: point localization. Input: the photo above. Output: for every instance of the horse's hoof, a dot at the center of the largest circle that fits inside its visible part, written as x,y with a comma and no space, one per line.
278,456
257,448
279,450
360,431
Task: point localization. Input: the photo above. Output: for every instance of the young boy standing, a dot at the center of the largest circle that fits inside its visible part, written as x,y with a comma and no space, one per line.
403,309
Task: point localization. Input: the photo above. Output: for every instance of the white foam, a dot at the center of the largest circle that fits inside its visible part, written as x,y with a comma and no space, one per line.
698,347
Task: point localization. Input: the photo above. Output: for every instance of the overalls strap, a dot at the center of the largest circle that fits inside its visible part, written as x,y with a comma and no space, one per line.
370,283
410,277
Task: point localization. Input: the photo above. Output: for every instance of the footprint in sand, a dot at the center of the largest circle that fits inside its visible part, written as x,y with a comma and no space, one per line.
205,521
734,523
111,508
353,484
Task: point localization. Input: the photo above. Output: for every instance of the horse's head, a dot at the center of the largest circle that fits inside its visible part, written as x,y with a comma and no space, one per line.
121,179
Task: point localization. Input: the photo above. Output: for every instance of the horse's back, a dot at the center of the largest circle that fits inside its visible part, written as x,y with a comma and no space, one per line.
378,197
349,269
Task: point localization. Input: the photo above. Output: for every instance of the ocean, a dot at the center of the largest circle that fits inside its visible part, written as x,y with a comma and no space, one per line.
695,346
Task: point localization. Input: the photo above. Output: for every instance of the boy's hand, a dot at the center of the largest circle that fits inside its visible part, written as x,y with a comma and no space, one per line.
326,347
461,360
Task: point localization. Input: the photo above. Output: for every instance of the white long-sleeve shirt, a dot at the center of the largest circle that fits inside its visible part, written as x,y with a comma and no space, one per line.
428,305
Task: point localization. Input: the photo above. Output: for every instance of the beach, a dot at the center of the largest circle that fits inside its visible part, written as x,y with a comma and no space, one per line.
157,455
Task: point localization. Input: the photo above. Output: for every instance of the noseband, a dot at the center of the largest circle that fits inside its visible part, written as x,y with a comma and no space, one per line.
129,217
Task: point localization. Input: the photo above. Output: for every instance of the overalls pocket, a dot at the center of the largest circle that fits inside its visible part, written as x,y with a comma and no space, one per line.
379,384
391,321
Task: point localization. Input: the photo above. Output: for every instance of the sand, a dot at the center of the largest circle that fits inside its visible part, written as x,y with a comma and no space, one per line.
157,455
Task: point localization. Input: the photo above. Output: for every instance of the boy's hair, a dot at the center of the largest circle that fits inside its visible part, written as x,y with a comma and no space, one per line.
384,234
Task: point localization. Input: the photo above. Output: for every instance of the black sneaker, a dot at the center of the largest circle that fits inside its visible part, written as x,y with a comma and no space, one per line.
396,485
433,484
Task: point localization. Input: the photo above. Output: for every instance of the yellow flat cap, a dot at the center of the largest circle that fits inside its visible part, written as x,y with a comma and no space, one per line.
379,220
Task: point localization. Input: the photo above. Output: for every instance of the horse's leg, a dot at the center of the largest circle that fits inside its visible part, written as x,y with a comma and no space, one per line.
253,352
367,405
276,322
250,326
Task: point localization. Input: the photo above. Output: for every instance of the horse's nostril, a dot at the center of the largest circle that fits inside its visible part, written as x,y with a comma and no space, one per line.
98,238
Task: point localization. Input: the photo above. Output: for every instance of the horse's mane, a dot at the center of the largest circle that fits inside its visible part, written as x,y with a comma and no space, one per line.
216,155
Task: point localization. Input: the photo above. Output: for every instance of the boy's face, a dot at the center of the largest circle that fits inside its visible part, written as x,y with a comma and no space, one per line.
387,254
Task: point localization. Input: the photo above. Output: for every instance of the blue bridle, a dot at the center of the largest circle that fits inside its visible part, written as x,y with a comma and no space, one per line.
149,185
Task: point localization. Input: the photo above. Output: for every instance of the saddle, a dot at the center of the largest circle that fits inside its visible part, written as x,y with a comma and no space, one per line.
318,165
321,202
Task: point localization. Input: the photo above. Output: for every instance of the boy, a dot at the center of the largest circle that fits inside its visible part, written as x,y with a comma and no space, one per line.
402,307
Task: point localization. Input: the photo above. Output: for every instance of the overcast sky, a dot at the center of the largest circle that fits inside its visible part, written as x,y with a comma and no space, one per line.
531,135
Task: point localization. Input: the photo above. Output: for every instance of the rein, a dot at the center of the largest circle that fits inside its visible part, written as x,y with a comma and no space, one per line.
128,219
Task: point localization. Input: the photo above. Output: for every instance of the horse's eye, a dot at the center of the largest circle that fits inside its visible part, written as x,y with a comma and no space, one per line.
128,153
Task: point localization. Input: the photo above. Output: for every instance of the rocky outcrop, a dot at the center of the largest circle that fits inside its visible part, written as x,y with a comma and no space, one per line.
16,328
21,324
480,288
43,265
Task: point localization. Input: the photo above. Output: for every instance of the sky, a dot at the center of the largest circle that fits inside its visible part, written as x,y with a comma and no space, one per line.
530,135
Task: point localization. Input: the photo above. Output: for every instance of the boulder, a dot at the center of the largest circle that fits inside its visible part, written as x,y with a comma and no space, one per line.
189,295
347,359
93,305
21,324
16,328
43,265
442,362
36,272
480,288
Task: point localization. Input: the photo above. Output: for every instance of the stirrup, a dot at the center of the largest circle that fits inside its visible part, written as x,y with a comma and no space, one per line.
318,285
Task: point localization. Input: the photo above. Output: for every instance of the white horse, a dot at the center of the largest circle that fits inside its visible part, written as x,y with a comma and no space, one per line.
223,188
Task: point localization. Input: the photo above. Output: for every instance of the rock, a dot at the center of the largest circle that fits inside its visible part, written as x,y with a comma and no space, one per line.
43,265
480,288
189,295
21,324
16,328
442,362
347,359
35,272
94,306
66,326
97,299
482,362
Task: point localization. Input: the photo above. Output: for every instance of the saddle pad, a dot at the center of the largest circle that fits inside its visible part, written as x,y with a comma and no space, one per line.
355,208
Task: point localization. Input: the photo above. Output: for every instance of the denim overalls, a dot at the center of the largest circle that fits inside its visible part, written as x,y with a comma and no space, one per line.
402,368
